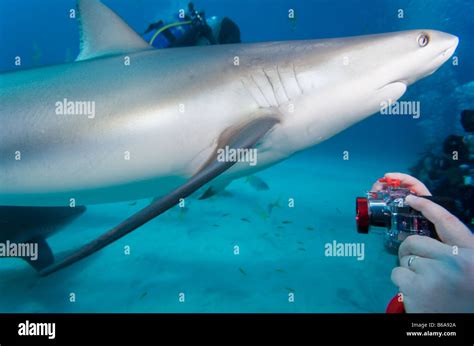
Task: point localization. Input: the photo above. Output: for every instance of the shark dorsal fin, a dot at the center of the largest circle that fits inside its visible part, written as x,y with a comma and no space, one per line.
104,33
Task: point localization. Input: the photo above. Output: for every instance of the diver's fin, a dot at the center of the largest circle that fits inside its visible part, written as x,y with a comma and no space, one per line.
104,33
215,189
45,256
243,137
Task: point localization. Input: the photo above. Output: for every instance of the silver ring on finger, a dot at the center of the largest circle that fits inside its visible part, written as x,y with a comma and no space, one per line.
410,260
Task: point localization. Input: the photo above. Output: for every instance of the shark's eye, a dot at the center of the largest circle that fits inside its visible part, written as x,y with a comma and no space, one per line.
423,39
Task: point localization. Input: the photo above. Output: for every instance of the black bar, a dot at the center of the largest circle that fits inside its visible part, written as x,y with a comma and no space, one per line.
135,329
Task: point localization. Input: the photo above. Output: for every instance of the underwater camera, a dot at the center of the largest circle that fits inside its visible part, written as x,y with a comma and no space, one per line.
387,208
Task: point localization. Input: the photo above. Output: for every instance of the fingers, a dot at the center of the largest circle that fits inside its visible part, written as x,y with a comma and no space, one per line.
416,263
377,186
407,181
450,230
403,278
423,247
410,182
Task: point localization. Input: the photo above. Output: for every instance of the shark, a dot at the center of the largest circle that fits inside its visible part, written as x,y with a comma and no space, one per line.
126,121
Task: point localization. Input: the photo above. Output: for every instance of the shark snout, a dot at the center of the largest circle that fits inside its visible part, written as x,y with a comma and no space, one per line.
448,44
445,44
435,48
448,52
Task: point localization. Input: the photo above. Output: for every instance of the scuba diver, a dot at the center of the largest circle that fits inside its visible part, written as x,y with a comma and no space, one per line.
451,173
192,30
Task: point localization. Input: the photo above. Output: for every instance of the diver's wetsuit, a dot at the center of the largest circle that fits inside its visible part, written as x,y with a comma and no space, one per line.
194,31
192,36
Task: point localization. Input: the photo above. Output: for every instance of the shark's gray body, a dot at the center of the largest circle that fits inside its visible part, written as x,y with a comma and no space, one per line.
160,115
166,109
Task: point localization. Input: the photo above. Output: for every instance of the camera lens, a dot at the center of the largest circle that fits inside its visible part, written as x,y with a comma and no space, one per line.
380,215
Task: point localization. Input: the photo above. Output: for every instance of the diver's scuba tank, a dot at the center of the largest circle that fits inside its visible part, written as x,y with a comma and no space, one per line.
191,30
185,31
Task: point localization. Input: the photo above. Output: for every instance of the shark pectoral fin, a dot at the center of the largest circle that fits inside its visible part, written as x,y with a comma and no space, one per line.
242,137
390,93
104,33
44,256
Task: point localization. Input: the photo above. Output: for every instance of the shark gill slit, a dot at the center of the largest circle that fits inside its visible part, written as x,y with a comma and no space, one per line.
261,91
275,96
287,96
266,87
296,78
251,92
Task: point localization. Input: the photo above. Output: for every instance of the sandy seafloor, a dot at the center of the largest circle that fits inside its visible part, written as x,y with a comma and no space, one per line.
193,251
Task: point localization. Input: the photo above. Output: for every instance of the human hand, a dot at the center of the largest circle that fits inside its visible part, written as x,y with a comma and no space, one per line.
407,181
436,276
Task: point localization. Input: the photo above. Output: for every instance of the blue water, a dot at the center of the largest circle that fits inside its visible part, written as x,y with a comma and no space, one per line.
192,252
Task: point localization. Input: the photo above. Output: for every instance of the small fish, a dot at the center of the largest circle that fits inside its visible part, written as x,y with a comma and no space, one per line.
300,242
280,227
245,220
290,289
286,222
257,183
337,209
144,294
265,213
277,234
242,271
309,228
262,213
226,214
132,203
280,270
215,225
301,249
273,205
